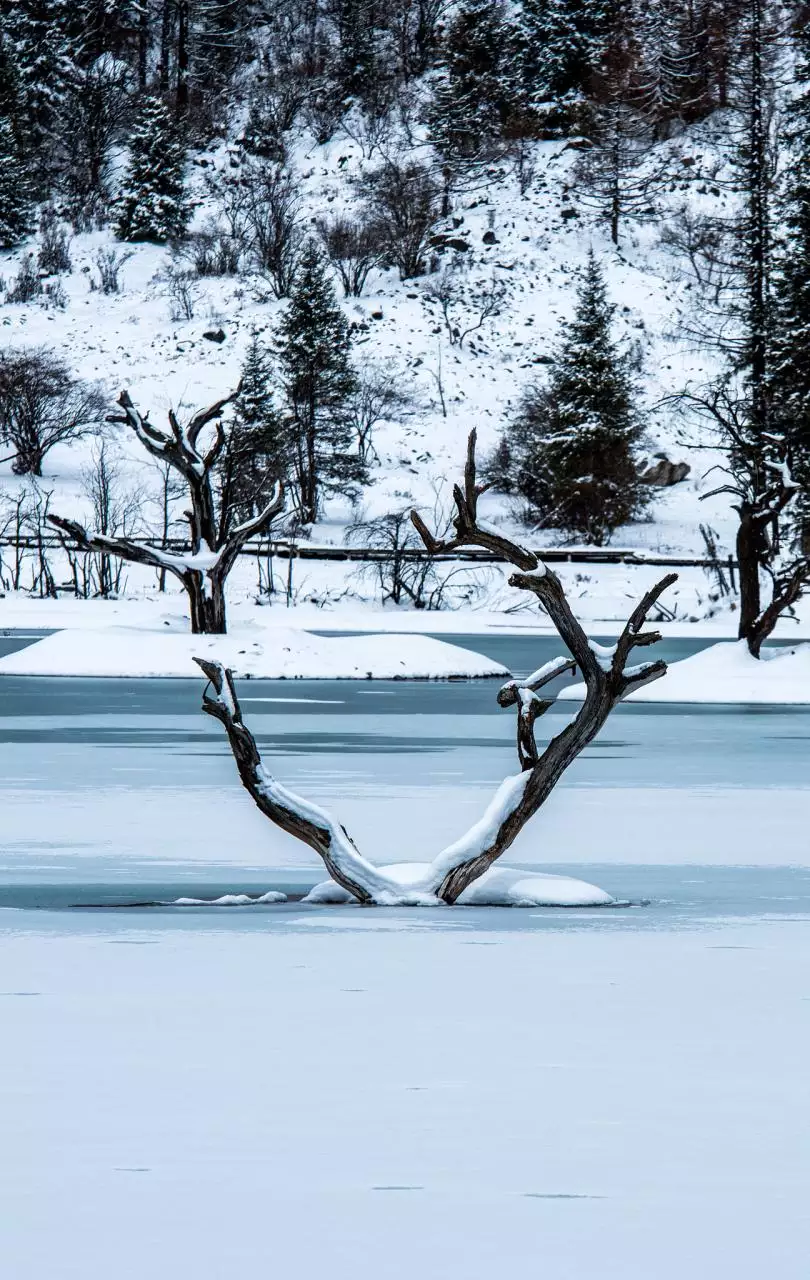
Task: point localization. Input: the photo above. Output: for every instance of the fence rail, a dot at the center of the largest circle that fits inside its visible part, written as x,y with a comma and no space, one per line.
374,555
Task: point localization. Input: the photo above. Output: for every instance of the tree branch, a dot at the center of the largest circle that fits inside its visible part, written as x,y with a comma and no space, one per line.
307,822
607,682
152,556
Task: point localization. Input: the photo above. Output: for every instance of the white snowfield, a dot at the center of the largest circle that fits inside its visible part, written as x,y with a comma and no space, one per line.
277,654
726,673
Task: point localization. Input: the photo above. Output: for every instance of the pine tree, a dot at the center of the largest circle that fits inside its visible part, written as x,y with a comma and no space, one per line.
153,204
561,46
318,381
571,444
16,203
39,33
473,94
16,186
669,83
255,453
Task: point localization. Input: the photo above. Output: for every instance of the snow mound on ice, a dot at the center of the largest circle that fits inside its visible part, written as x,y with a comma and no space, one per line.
498,887
231,900
273,654
727,673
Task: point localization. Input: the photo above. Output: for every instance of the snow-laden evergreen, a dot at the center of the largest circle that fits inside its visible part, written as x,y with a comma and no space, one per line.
153,204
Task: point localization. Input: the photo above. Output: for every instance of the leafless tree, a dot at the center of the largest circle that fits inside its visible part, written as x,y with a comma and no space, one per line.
183,292
212,251
42,405
402,199
378,397
263,209
27,284
53,256
479,302
608,679
757,476
354,246
108,265
698,239
170,488
403,570
98,107
437,375
204,568
116,512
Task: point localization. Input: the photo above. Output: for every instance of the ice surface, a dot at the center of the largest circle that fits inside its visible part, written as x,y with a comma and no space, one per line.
367,1094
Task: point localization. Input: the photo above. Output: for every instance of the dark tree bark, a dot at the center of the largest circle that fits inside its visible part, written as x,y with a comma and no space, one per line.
181,100
608,679
205,568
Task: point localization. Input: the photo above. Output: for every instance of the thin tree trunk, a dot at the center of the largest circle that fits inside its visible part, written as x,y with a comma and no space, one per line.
181,105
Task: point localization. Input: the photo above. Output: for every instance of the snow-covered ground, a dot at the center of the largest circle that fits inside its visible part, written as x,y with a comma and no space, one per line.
130,340
367,1094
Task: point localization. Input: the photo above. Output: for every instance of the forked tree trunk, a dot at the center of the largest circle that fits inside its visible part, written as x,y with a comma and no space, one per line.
202,571
608,679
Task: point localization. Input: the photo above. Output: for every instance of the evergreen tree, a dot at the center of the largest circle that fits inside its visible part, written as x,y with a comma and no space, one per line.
39,33
571,444
16,203
561,46
473,96
153,204
668,78
318,381
255,454
16,186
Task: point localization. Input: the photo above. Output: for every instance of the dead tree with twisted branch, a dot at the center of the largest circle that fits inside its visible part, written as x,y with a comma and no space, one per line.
608,680
214,546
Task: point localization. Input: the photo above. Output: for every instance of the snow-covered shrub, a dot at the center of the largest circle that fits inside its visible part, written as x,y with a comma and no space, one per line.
108,264
354,246
27,284
211,251
53,257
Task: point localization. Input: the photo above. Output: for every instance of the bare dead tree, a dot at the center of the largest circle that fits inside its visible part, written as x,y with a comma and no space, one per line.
608,679
757,476
378,397
204,568
354,247
479,303
41,405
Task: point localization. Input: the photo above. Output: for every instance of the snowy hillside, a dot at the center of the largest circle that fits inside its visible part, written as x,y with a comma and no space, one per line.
518,234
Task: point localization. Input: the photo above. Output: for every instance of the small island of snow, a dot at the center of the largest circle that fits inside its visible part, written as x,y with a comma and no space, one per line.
272,654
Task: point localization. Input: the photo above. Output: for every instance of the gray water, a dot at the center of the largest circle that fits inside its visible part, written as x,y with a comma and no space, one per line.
120,792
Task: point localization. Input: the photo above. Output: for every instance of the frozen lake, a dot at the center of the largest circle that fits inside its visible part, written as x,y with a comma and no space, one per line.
293,1091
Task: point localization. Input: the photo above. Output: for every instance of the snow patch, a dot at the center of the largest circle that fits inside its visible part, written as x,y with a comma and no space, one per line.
231,900
274,654
498,887
727,673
